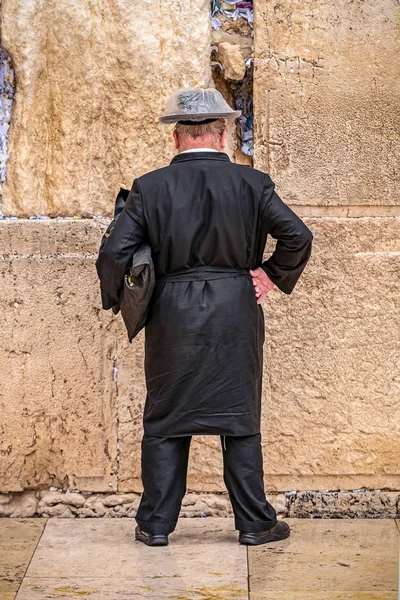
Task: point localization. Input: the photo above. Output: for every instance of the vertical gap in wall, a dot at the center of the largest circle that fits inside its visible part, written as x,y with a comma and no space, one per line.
117,412
232,51
7,90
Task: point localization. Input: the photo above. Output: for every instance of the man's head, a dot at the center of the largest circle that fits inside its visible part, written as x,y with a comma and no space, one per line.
202,135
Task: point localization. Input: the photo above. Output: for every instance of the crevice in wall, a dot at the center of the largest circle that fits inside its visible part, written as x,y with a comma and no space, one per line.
232,51
7,90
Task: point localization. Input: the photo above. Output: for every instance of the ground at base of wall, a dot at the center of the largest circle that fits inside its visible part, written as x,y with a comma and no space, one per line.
363,503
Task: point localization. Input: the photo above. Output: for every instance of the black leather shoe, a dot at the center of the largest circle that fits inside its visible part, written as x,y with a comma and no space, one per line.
280,531
149,539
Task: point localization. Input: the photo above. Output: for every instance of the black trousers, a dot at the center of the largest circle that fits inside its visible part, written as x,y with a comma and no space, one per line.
164,464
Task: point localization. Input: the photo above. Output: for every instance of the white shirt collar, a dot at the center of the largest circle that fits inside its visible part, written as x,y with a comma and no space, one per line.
197,150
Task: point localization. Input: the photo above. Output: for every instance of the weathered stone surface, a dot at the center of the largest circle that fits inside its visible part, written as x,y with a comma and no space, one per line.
230,26
243,159
18,505
95,547
367,504
231,58
75,388
326,100
355,557
244,42
18,540
53,498
131,390
370,504
189,586
58,425
60,511
331,412
88,76
315,595
101,559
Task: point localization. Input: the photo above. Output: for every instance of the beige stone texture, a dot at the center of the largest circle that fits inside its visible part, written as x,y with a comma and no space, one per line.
326,97
232,60
313,595
18,541
239,26
101,559
331,415
224,87
73,388
243,159
322,559
58,399
184,587
19,505
244,41
91,80
368,504
329,556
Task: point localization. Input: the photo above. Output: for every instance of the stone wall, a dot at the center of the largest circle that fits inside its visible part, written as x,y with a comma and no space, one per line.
92,79
370,504
90,84
326,101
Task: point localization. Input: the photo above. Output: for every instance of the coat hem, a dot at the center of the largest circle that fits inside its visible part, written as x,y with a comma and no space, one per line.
202,433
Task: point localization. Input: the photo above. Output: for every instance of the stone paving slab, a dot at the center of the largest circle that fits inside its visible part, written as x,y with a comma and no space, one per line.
101,559
339,559
342,556
192,587
322,596
18,540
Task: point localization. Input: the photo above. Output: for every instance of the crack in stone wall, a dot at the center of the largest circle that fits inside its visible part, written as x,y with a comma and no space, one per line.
7,90
232,68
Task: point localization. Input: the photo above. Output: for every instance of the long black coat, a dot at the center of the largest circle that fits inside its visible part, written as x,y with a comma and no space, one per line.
206,220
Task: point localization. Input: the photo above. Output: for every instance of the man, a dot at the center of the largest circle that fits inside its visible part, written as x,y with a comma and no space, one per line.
206,220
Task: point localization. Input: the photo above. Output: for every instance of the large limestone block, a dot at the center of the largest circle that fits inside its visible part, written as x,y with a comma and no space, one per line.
331,413
100,559
336,559
326,98
57,403
18,541
91,80
73,388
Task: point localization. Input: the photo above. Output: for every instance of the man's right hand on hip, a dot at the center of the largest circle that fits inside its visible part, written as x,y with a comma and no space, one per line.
262,283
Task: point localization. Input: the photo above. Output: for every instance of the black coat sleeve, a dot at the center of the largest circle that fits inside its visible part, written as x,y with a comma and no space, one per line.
294,240
116,251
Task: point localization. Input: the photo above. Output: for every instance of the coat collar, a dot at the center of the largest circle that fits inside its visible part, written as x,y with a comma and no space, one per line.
200,154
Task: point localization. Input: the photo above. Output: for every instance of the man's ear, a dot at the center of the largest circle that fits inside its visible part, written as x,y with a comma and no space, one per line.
176,139
223,139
